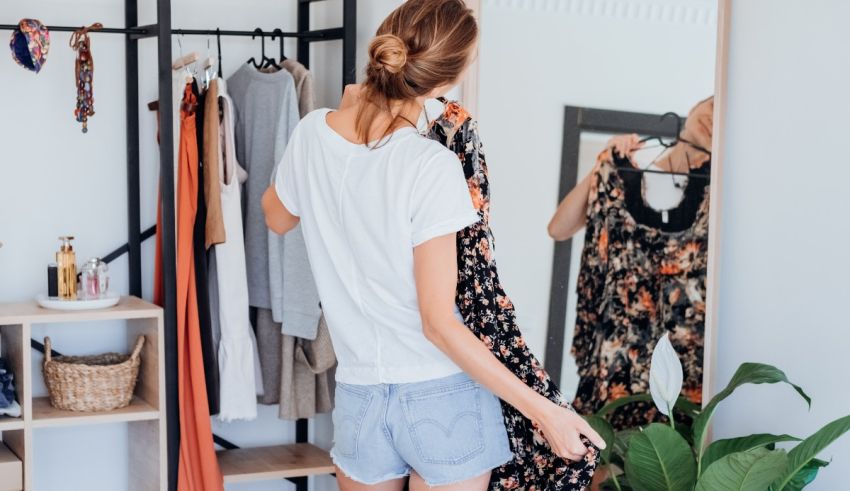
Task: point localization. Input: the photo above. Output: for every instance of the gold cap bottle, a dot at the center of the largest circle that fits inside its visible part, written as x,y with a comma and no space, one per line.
66,261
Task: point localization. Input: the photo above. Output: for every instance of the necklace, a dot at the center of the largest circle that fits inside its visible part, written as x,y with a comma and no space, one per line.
84,74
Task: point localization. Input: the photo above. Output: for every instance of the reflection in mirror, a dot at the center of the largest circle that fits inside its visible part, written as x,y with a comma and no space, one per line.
614,69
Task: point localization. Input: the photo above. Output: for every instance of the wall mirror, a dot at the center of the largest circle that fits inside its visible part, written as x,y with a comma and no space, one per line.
557,80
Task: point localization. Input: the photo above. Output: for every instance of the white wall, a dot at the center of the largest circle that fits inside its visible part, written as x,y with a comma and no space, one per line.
785,226
538,56
57,181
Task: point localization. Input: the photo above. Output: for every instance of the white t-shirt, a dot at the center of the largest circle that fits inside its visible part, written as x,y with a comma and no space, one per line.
362,211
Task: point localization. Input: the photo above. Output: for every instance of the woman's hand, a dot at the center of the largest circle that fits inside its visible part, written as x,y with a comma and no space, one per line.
625,145
563,429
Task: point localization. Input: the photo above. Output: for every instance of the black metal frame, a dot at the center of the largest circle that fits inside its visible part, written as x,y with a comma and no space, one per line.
576,121
163,31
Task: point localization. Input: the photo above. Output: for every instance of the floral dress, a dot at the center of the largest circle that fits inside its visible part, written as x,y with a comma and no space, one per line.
489,313
642,275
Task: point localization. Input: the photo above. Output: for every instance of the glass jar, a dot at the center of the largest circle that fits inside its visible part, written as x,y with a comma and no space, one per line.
94,282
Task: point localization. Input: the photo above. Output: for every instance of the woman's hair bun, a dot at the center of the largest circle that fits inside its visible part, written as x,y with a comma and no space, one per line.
389,52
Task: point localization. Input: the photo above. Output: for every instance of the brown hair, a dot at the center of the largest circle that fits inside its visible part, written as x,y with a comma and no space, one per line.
421,45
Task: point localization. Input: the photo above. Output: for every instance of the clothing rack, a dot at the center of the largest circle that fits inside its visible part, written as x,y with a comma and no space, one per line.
162,30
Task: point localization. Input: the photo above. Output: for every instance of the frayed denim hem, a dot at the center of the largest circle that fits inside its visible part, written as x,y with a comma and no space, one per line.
387,477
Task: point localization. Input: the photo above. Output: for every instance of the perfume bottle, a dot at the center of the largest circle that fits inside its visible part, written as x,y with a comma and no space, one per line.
66,261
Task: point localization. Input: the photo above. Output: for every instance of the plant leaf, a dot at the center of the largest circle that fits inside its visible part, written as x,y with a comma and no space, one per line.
684,405
606,431
806,475
722,448
747,373
659,459
665,375
806,450
751,470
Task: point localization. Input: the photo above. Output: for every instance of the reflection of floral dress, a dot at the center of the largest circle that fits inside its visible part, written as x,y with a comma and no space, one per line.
642,274
489,313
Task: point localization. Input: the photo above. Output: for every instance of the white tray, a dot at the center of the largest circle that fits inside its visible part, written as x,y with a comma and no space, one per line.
55,303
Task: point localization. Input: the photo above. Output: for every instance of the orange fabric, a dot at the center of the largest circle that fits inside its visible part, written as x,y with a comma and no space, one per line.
198,469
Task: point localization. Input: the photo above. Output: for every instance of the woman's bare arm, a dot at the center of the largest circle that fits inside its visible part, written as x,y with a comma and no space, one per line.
278,219
571,215
435,267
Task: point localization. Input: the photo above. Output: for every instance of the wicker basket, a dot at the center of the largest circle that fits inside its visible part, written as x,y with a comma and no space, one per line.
91,383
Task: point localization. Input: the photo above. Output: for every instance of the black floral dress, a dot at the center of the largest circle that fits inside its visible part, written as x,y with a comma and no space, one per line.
642,275
489,313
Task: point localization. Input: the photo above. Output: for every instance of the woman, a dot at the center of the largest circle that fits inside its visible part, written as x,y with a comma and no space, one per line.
379,207
691,152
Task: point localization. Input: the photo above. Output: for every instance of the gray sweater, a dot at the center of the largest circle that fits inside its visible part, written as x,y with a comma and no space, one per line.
266,114
267,110
295,298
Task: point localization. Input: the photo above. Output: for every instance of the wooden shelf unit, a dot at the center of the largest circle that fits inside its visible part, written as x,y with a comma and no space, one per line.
145,416
276,462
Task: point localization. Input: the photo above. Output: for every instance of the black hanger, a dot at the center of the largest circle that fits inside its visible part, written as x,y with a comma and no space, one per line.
668,144
259,64
218,45
279,33
669,114
270,62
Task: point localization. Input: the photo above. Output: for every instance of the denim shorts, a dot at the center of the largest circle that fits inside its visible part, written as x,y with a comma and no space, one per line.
448,430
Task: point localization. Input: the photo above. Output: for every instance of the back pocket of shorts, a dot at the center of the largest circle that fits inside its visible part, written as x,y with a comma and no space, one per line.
350,406
445,423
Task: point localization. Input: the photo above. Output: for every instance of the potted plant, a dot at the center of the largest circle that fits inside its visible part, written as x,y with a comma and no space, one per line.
676,457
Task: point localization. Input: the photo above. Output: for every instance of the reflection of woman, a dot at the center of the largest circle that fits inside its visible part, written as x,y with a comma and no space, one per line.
689,153
643,272
379,207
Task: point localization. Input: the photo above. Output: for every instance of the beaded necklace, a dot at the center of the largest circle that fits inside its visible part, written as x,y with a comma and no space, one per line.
84,74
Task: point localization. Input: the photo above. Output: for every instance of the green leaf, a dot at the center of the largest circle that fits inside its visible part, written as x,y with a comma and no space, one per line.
623,401
751,470
806,475
659,459
606,431
722,448
800,455
747,373
683,405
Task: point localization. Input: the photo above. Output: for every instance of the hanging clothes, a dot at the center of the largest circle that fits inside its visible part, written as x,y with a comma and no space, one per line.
489,313
211,157
265,115
237,357
304,87
201,274
309,390
294,296
198,465
643,274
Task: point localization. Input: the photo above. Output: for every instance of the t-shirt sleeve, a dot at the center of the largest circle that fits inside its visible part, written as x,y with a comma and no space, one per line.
441,203
285,181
